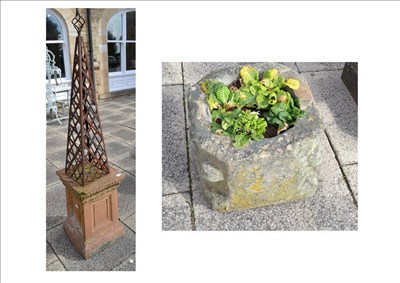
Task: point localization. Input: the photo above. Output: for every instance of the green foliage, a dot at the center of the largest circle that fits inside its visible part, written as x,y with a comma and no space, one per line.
248,126
230,112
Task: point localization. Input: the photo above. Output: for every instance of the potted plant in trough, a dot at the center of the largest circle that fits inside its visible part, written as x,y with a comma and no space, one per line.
255,136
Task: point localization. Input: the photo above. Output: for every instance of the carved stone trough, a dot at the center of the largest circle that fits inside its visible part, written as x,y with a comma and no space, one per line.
270,171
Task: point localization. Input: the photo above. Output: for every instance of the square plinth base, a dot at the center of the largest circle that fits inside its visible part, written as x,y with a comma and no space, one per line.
92,212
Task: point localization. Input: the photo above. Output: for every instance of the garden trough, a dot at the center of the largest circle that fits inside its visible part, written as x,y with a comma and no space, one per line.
265,172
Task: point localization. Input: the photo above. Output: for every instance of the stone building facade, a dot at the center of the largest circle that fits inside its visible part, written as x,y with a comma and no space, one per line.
114,70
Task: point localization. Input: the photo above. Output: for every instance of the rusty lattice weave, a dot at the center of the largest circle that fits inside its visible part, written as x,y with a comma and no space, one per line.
86,159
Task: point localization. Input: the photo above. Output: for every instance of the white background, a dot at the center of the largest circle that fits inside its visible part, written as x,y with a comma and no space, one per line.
206,31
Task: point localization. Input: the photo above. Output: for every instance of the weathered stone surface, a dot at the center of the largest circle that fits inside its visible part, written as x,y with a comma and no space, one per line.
55,203
351,172
330,208
267,172
176,212
171,73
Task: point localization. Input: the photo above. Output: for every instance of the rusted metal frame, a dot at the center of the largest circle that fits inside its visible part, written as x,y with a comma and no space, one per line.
70,109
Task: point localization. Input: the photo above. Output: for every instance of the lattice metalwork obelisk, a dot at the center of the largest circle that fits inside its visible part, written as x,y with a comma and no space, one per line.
86,159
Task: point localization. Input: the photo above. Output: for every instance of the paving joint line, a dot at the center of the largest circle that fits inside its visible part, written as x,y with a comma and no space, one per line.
55,226
349,164
192,219
174,84
320,71
56,256
177,193
298,70
341,170
129,228
122,125
119,264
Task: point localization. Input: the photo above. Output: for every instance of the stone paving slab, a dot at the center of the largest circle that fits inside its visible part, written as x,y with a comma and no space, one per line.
107,259
55,142
127,196
171,73
351,172
51,177
319,66
127,265
344,145
60,129
127,161
130,221
56,207
176,212
57,157
331,208
174,160
116,149
123,134
338,111
50,255
55,266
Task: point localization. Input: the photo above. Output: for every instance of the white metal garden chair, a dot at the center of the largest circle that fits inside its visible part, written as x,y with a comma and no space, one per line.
51,68
57,94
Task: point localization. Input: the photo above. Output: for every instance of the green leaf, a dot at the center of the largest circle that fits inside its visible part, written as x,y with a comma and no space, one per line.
222,93
270,74
262,101
293,84
248,74
272,98
279,82
253,90
213,102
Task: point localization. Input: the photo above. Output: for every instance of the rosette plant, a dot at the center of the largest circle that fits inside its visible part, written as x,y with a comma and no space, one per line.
254,106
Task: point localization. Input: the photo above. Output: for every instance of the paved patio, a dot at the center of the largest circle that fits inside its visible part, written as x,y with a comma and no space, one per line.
333,207
119,130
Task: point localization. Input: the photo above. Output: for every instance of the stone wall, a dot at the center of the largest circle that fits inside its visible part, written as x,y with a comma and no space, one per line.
100,19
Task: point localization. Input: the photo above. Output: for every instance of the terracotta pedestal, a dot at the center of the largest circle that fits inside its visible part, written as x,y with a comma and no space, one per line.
92,212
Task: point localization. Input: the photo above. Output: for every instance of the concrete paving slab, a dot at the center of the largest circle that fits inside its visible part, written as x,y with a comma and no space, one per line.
127,196
333,100
50,255
55,266
60,129
338,111
107,259
333,206
127,265
171,73
116,149
51,177
123,134
319,66
57,157
55,203
176,212
174,159
351,173
344,145
55,141
130,221
127,162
